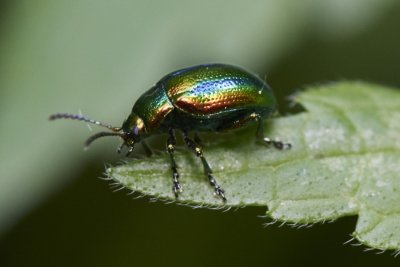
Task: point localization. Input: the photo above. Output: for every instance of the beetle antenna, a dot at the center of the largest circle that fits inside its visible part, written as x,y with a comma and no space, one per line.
82,118
90,140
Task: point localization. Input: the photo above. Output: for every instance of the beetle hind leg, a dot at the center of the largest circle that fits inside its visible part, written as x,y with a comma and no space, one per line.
195,147
255,117
265,140
171,142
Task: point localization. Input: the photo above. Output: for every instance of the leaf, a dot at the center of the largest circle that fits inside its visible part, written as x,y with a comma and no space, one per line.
98,55
344,161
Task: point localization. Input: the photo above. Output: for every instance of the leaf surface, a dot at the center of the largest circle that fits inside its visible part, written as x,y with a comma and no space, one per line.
344,161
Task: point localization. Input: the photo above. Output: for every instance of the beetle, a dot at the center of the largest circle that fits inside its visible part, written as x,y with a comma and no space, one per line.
208,97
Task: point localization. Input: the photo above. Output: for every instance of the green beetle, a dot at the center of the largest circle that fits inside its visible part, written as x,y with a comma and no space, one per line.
210,97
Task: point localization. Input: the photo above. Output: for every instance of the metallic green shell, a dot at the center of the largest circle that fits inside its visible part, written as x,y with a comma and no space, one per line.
152,107
209,90
204,97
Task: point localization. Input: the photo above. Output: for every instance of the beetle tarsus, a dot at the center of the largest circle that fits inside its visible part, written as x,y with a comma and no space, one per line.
265,140
177,187
218,190
277,144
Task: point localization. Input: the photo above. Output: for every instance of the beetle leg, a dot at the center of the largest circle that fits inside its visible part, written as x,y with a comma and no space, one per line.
197,139
130,150
192,145
171,142
265,140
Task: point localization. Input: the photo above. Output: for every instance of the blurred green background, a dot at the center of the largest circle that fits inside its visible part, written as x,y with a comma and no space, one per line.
98,57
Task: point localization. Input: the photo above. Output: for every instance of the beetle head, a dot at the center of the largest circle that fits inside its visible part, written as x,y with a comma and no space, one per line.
130,131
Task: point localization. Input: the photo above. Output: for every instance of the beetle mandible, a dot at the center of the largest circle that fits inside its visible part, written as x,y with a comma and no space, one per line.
209,97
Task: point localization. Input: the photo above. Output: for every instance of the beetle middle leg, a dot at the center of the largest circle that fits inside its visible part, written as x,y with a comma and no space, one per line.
265,140
254,117
195,147
171,143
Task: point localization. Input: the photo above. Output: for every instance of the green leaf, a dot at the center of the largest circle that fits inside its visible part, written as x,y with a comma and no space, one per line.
345,160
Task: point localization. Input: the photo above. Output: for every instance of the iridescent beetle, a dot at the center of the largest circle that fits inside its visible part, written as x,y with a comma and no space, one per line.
210,97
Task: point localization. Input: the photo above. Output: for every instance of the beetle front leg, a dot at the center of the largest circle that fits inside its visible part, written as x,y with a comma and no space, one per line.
192,145
171,142
265,140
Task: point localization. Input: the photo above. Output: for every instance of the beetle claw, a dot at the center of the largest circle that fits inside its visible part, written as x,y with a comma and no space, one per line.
177,188
220,192
276,143
281,146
